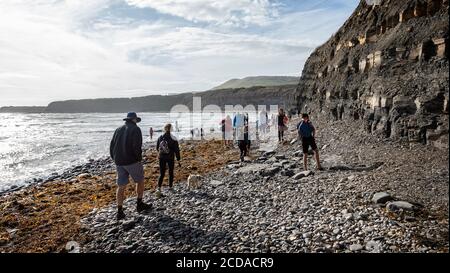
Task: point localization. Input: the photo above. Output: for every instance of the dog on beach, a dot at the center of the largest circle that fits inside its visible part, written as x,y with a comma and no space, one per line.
194,181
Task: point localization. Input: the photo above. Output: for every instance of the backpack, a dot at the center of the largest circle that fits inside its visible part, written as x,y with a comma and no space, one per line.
164,146
305,129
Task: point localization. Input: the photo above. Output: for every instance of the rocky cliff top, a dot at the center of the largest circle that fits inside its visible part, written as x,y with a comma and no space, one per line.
258,81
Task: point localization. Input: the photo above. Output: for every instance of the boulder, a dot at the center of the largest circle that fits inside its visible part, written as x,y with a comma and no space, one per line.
288,173
83,176
269,153
373,246
398,205
381,198
269,171
356,247
302,174
216,182
128,225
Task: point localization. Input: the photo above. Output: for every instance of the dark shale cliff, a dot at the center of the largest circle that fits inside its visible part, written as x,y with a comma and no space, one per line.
388,66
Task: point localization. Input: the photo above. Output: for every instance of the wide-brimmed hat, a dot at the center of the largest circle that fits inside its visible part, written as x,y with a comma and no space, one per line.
131,116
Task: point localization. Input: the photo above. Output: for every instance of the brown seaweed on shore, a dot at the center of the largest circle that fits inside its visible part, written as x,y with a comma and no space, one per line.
43,218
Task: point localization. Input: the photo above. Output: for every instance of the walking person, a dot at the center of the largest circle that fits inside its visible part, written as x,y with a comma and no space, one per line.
168,148
307,133
126,151
282,122
244,143
222,129
228,131
263,120
151,133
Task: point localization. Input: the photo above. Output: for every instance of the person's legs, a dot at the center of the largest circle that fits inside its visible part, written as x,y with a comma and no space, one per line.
305,148
136,171
305,161
241,150
120,196
140,186
316,154
171,164
162,172
122,181
141,206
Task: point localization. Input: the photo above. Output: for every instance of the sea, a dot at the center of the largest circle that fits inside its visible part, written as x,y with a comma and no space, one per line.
34,146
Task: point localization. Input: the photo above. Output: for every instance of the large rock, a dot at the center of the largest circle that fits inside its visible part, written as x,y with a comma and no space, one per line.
215,182
356,247
269,171
128,225
381,198
269,153
398,205
302,174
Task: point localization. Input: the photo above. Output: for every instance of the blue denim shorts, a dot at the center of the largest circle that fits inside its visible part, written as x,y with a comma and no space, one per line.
135,170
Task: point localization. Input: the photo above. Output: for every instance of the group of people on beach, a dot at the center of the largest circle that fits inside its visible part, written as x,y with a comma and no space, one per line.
126,149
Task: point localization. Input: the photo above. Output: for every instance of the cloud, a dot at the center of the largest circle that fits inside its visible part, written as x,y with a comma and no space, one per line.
223,12
54,50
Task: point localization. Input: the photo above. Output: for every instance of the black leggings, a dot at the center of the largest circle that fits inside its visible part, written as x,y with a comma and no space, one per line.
162,171
280,134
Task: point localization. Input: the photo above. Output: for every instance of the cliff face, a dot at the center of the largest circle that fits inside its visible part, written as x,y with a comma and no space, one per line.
277,95
387,65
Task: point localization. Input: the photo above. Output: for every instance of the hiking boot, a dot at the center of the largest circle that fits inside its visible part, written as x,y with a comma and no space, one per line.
171,190
320,168
120,215
143,207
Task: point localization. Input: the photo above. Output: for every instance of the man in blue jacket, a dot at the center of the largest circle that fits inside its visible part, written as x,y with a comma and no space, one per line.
126,151
307,133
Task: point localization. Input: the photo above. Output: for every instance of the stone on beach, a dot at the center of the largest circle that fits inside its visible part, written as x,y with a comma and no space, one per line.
381,198
302,175
397,205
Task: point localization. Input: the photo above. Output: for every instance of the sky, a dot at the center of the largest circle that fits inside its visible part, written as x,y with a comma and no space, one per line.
73,49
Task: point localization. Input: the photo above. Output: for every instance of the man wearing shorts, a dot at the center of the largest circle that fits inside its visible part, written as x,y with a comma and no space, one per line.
126,151
307,132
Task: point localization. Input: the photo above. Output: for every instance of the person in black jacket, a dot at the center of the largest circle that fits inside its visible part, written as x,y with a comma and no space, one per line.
244,144
168,148
126,151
